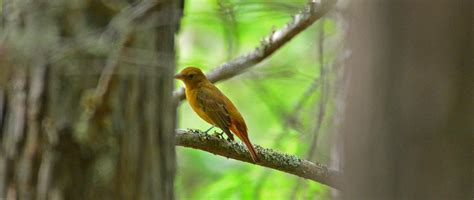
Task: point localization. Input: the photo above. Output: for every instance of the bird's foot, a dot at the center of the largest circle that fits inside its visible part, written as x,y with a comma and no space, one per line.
230,138
208,129
219,135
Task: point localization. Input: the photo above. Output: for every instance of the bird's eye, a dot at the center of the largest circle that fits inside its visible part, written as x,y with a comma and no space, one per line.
191,76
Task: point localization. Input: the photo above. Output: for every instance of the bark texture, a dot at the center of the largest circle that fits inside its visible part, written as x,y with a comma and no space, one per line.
408,123
86,110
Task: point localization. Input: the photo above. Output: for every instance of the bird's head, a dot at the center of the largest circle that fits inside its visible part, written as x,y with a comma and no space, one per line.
191,76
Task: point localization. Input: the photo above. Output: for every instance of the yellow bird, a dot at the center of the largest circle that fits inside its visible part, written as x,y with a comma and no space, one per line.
214,107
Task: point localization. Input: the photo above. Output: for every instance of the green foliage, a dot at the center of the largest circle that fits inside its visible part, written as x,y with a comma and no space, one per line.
214,31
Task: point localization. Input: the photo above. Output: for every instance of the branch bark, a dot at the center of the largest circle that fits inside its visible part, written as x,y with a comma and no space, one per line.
310,13
269,158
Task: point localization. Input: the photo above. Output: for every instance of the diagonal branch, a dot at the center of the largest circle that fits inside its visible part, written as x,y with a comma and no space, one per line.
311,12
269,158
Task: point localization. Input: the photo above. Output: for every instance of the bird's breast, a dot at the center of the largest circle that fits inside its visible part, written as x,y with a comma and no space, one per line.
191,96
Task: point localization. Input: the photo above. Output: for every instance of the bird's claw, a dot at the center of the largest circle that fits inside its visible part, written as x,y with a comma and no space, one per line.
219,135
208,129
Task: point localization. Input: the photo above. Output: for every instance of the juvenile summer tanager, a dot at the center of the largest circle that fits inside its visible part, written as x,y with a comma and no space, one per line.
214,107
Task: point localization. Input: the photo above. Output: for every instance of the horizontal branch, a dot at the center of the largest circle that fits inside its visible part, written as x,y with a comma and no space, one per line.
268,157
311,12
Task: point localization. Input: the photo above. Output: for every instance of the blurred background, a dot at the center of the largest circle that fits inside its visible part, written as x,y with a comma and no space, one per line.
286,100
85,87
380,91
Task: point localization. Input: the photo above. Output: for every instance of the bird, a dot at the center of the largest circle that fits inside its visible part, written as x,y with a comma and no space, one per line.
214,107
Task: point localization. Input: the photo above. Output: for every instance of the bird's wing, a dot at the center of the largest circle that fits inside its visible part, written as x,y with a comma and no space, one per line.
213,104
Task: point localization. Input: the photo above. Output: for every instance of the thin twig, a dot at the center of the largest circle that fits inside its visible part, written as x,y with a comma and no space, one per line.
311,12
275,105
268,158
324,94
291,120
322,104
230,25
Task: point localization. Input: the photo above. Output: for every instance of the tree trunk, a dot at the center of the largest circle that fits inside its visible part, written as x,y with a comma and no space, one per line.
408,123
85,99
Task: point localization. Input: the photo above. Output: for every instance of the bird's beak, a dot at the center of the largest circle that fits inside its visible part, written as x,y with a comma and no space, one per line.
179,76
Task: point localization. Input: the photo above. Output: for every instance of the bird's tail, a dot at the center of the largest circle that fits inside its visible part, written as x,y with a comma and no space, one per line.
242,134
249,145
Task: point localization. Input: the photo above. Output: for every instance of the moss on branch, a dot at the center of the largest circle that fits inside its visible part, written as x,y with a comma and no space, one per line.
268,158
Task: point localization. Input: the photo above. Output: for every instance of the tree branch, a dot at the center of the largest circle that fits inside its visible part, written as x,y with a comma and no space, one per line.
311,12
268,157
